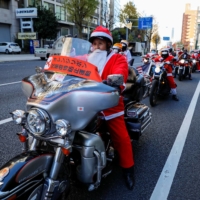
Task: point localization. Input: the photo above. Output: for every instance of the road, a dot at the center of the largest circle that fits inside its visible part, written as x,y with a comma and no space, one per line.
166,157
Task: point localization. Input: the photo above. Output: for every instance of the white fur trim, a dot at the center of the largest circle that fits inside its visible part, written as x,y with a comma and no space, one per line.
101,34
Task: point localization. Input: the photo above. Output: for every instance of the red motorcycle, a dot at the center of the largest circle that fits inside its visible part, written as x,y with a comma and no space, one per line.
184,69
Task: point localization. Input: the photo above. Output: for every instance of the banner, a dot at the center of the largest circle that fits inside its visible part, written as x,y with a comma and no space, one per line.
26,12
73,66
27,36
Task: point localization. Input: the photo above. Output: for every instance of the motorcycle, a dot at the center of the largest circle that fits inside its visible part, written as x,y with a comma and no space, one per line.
194,65
160,86
184,69
64,136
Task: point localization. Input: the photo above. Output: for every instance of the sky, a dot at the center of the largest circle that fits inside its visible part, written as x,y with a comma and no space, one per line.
168,14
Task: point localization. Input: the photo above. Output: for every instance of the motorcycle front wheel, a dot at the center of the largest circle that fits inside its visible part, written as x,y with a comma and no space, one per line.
153,93
180,75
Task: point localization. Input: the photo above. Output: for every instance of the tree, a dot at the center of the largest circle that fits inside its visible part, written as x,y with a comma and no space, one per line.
46,25
80,11
127,15
128,12
155,39
148,33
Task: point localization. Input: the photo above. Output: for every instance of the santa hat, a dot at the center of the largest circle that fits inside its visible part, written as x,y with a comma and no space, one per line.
101,32
117,45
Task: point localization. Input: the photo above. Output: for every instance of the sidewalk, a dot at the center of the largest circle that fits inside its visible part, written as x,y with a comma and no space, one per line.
14,57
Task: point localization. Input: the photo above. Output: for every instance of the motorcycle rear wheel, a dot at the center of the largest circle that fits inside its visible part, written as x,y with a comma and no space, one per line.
153,93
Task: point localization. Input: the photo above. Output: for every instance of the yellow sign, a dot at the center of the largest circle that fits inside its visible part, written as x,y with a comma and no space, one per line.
129,25
27,36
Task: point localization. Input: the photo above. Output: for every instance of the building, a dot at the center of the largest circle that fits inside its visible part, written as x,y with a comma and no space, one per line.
198,29
189,28
9,25
106,14
114,13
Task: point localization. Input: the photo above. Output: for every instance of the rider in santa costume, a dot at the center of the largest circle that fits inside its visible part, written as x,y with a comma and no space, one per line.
108,63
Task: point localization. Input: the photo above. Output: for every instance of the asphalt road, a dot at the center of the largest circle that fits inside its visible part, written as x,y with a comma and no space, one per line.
151,153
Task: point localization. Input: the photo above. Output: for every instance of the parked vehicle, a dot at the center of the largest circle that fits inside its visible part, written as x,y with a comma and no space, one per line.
136,48
62,132
9,47
160,86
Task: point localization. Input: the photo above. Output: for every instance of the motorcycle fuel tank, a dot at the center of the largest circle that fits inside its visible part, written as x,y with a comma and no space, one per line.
71,98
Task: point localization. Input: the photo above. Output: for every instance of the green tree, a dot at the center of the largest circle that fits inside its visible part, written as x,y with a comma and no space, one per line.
128,12
46,25
80,12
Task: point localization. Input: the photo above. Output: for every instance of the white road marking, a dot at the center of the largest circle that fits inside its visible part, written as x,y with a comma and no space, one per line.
9,83
162,189
5,120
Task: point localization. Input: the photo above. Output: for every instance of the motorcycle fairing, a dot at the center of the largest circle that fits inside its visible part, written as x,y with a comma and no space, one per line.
84,98
23,167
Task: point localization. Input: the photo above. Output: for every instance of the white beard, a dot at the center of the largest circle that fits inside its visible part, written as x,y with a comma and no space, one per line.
98,58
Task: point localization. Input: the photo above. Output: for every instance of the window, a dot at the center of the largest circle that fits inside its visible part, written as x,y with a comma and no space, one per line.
4,4
60,1
64,31
60,13
49,6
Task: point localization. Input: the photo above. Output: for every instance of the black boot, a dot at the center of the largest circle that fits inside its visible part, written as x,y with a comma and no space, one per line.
129,177
175,98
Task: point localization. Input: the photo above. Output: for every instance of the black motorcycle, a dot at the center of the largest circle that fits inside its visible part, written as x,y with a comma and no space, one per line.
63,134
160,86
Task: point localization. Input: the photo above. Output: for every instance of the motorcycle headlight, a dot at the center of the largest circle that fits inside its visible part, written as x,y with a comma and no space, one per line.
63,127
182,61
194,61
38,121
157,69
18,116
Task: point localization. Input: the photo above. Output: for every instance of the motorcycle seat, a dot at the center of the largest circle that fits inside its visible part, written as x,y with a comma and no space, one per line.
133,85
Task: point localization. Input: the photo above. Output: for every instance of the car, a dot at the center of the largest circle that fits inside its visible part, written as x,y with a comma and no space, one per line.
9,47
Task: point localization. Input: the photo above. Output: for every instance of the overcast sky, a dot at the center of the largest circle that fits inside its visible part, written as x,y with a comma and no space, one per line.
168,13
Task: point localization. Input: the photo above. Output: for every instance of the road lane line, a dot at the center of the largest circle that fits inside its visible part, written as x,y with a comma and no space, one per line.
6,120
162,189
9,83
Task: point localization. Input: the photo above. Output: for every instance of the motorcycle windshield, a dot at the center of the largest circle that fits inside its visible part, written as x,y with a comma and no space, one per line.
70,56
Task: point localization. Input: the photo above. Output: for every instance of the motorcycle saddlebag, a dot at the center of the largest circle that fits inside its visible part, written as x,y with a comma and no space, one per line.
137,117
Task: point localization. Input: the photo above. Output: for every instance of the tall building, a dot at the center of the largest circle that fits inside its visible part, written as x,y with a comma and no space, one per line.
189,25
114,13
198,29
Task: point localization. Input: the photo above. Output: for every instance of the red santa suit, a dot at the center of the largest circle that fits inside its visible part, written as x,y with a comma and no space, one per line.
117,64
169,70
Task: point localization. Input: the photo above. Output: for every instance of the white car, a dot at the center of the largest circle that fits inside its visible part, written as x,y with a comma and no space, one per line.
9,47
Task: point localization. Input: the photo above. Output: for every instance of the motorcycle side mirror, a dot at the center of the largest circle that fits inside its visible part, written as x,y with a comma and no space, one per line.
115,80
38,70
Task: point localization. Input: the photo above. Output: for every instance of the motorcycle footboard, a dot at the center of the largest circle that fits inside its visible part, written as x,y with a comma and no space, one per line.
137,117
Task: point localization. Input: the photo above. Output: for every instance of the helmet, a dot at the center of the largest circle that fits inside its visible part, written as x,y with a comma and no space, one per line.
101,33
117,47
124,44
164,53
